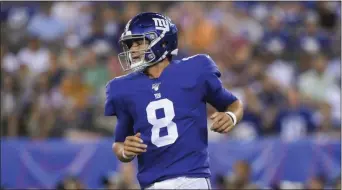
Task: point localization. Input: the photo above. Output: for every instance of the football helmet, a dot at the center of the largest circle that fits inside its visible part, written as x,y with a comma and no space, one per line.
155,33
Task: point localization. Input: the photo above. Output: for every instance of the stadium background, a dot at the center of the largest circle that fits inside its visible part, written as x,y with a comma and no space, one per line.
282,59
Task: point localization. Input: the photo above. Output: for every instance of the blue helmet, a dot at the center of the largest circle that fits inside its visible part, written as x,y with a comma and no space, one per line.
159,35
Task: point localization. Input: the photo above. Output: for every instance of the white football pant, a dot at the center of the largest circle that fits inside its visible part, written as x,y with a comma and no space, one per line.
182,183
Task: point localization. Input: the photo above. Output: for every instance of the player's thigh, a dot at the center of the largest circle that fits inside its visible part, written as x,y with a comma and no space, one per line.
195,183
182,183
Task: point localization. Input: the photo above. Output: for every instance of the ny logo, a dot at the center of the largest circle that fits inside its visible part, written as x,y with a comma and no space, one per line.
161,24
155,86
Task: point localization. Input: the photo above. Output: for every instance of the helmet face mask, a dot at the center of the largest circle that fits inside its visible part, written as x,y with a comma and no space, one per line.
155,38
135,59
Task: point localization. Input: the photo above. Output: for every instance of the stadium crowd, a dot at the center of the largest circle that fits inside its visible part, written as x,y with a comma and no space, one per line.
282,59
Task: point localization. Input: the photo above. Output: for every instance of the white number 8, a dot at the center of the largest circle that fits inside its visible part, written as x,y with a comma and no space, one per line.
166,121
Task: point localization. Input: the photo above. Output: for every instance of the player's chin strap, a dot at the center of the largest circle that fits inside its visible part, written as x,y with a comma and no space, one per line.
233,116
124,155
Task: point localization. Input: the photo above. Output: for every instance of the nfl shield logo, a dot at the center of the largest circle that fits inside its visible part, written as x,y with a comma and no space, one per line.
155,86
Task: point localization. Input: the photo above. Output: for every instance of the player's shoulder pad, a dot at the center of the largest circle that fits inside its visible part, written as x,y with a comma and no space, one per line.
204,63
109,88
116,85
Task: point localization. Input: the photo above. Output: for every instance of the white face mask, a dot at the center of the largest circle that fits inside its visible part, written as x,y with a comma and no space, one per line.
136,54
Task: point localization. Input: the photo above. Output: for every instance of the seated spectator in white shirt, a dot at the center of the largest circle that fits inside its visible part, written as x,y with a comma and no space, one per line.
34,57
8,60
318,84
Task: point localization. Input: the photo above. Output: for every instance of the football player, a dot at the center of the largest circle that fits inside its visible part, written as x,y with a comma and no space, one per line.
161,106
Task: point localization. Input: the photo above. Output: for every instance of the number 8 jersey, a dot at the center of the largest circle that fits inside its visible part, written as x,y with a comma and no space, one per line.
170,113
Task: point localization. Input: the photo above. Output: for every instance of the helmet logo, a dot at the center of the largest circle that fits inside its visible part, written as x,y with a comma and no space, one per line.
161,24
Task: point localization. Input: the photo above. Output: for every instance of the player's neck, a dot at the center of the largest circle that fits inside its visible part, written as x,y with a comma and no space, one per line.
156,70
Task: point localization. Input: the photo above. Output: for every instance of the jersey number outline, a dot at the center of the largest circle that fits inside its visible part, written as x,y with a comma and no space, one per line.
166,121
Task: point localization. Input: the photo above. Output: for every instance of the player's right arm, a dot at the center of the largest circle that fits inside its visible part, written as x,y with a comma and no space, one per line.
126,145
131,147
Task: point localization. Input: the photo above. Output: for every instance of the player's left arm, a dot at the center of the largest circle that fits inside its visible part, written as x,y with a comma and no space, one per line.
229,107
224,121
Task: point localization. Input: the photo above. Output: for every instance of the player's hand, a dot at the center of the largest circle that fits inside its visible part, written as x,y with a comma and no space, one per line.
222,123
133,145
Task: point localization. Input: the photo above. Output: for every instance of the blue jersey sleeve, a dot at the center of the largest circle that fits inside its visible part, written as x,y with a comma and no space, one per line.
109,109
113,107
124,126
215,93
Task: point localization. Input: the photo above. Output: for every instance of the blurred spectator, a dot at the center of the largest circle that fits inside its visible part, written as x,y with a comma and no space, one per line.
325,120
35,57
45,26
9,124
66,119
327,14
314,39
316,83
247,26
97,39
240,179
200,25
55,72
251,126
280,70
46,100
95,73
56,58
70,58
70,183
276,38
124,179
109,17
264,47
17,20
291,13
269,93
316,182
75,92
67,13
234,65
9,62
294,121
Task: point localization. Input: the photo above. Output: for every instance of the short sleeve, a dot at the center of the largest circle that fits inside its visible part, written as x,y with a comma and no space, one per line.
215,93
113,107
109,108
124,126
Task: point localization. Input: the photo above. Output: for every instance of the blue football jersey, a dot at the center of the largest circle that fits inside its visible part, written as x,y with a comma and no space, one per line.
170,113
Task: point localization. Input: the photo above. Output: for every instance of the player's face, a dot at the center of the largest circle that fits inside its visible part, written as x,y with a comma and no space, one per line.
137,50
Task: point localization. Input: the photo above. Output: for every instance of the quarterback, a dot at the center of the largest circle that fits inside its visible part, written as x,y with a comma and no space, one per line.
161,106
